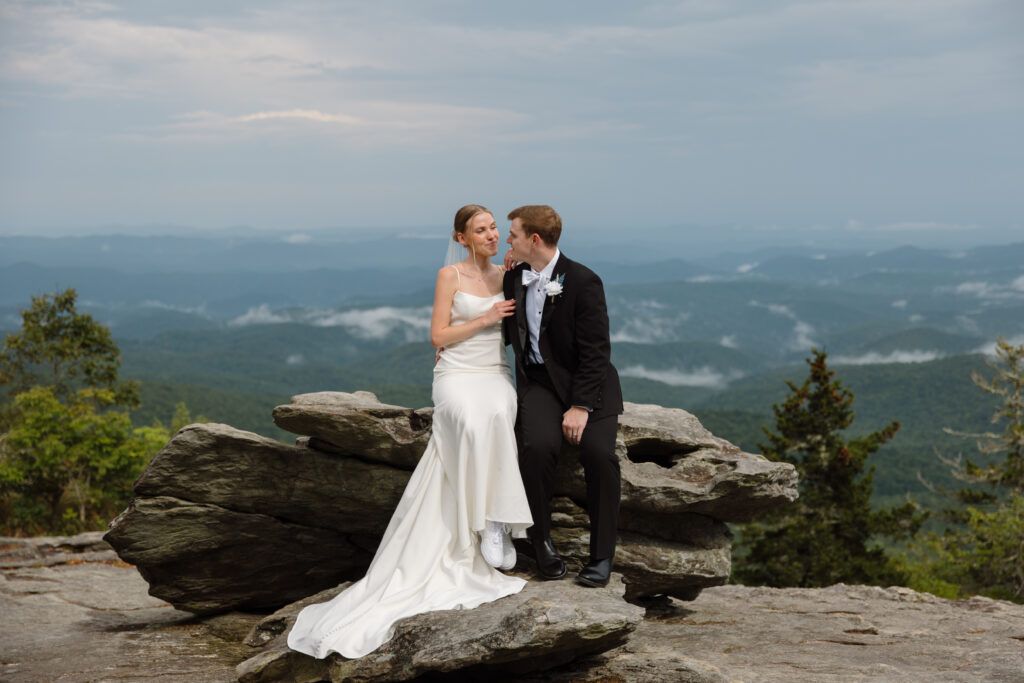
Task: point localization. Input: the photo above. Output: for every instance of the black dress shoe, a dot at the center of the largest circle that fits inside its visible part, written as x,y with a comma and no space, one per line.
596,574
549,563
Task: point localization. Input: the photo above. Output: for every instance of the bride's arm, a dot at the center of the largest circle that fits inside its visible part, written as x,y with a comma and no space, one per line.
442,332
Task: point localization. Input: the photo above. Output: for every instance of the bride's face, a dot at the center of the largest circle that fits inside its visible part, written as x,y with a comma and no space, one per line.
481,235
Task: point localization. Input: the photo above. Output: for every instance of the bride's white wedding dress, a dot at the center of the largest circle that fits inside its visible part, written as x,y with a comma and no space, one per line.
429,557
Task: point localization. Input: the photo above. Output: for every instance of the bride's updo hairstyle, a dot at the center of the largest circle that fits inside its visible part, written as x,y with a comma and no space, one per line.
463,216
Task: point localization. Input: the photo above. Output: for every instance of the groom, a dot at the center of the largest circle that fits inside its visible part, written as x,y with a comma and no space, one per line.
567,386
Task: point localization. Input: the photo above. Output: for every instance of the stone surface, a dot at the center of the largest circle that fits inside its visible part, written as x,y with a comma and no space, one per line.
225,519
358,424
839,633
94,622
696,555
219,465
82,620
53,550
545,625
671,464
207,559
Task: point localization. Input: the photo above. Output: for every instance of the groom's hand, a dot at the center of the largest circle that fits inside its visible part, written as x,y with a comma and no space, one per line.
574,421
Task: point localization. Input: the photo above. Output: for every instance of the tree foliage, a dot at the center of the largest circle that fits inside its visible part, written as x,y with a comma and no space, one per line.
68,466
68,455
828,535
982,551
63,349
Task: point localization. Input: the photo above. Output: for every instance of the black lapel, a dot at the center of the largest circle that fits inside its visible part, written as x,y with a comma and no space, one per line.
519,294
550,303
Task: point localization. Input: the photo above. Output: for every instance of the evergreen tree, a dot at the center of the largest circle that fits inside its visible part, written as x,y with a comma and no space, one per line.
827,535
983,549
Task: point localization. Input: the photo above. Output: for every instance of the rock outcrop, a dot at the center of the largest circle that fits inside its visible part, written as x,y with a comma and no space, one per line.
72,617
546,625
225,519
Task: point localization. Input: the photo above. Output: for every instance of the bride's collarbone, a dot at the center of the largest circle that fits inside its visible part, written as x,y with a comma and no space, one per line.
487,295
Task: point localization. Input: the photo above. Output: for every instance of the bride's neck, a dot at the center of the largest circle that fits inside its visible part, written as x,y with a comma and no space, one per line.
480,263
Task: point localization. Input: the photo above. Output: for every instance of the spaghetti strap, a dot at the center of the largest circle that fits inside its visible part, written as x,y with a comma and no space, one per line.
459,276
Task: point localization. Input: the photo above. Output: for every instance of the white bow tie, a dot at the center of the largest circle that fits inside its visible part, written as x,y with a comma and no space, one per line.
529,275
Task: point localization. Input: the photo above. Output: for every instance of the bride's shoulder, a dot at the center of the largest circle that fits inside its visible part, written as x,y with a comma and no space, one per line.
448,275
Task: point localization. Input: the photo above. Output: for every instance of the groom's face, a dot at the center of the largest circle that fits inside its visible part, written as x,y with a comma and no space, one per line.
520,242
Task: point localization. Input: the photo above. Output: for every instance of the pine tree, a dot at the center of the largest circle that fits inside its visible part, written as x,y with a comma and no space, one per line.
828,535
982,551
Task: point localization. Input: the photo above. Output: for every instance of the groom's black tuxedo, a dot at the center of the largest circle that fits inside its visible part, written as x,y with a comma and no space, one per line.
573,340
577,371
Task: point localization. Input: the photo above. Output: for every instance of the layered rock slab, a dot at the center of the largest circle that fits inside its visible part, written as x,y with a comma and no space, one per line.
545,625
225,519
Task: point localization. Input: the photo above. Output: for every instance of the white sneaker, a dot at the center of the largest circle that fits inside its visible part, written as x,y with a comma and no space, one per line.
492,543
509,555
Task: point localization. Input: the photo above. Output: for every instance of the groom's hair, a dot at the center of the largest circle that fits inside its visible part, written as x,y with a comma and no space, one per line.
540,219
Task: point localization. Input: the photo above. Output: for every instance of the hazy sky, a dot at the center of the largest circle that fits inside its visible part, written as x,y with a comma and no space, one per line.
831,117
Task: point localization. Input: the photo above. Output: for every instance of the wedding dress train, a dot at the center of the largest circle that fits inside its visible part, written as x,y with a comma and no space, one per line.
428,558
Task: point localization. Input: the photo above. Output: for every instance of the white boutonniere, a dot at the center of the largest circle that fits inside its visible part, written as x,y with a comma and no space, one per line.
554,288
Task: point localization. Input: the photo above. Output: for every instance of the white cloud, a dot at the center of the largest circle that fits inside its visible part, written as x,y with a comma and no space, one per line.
916,318
422,236
297,238
194,310
728,341
746,267
899,303
989,349
301,114
968,324
875,358
819,257
975,288
260,315
924,226
650,328
699,377
952,81
376,323
295,359
366,323
990,290
802,331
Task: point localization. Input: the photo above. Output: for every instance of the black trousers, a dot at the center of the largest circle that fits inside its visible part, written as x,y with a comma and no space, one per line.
539,432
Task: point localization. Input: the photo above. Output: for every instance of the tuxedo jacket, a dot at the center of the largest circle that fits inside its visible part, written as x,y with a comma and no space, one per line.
574,339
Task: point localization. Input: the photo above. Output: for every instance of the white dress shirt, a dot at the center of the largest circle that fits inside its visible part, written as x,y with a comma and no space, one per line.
535,306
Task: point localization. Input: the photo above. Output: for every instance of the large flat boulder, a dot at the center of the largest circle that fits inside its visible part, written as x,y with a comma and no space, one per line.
546,625
359,425
225,519
209,559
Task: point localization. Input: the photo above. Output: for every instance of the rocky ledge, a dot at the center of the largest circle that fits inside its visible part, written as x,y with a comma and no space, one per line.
227,520
72,618
224,519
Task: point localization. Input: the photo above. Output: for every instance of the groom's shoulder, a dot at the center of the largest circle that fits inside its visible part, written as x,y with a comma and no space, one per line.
580,269
515,270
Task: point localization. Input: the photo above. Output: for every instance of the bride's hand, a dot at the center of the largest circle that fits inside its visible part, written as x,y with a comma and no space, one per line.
502,309
510,262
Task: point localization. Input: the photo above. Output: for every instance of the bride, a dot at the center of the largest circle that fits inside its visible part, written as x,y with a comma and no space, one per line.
467,484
